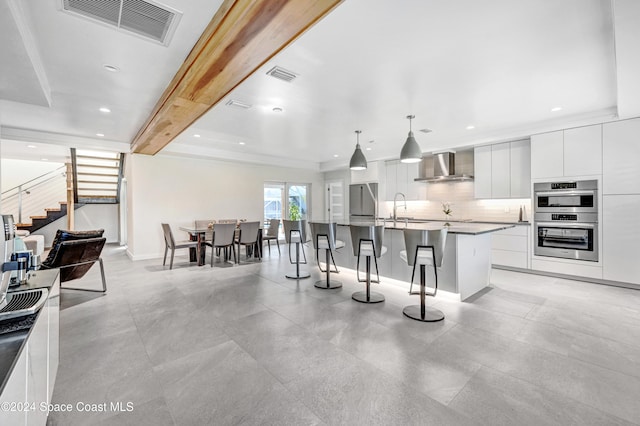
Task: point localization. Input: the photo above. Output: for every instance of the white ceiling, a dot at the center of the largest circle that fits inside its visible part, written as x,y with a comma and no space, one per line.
498,65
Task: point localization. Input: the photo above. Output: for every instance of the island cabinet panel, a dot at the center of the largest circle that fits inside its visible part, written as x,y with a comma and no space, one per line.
547,152
15,391
621,238
621,154
37,374
510,247
583,151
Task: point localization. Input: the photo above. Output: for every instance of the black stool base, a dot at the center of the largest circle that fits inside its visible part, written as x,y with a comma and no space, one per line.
361,296
301,275
430,314
322,284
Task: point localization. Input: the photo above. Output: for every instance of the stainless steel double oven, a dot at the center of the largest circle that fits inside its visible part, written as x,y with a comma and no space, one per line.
566,219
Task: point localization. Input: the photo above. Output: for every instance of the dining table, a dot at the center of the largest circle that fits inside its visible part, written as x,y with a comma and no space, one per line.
198,234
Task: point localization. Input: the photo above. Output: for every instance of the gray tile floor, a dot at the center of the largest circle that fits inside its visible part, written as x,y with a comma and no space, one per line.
244,345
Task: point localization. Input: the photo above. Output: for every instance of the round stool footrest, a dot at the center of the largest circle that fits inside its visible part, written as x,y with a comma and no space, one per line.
322,284
361,296
430,314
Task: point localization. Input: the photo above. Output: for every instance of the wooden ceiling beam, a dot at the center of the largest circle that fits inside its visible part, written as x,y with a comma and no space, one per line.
242,36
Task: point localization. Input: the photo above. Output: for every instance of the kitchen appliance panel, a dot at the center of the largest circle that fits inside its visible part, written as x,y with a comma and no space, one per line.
571,196
363,199
567,235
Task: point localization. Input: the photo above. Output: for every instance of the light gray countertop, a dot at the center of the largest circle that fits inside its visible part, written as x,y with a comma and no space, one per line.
467,228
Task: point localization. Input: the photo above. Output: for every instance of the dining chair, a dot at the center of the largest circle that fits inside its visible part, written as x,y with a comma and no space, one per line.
223,238
171,244
272,234
248,237
204,223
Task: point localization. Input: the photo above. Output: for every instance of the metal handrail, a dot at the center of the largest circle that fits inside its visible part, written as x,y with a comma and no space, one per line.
20,189
34,179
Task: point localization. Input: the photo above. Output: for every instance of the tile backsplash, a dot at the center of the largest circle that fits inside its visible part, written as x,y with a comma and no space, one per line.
460,197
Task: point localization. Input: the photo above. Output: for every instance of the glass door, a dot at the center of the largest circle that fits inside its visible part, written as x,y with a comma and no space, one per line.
284,200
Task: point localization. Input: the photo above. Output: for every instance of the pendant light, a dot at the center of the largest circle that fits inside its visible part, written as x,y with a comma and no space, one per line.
411,152
358,162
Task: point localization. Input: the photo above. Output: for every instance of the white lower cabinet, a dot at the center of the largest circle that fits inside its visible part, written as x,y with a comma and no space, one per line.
31,381
621,238
510,247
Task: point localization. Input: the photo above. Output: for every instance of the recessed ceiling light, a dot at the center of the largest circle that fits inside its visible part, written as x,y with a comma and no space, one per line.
44,159
31,146
111,68
241,143
196,136
335,155
471,127
368,148
278,109
556,109
100,134
104,109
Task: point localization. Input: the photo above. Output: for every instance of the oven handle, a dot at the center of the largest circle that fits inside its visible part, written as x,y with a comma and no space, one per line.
552,193
567,225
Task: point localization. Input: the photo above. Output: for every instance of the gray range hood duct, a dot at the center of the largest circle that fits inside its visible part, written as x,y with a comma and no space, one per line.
444,169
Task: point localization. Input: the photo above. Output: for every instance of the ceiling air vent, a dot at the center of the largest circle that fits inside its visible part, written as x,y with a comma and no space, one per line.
237,104
282,74
144,18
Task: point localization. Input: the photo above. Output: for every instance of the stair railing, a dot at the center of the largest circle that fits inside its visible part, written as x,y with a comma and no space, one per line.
46,187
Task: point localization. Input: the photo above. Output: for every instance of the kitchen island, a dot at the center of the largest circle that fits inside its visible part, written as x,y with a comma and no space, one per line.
466,266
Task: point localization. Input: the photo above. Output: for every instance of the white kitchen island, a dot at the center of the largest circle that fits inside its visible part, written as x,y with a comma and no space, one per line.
466,267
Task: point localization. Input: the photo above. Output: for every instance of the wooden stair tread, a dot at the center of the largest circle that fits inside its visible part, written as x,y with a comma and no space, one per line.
37,217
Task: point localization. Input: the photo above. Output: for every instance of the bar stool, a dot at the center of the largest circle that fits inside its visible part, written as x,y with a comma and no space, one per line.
367,242
424,248
324,237
295,232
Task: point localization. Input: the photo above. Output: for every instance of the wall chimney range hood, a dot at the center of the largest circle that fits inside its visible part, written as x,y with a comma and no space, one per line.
442,168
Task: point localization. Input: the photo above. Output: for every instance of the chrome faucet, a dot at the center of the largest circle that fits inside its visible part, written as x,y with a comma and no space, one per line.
395,199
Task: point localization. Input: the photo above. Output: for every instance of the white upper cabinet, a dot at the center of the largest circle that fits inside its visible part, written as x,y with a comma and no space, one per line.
547,152
566,153
482,171
502,170
621,157
520,162
370,174
400,178
583,151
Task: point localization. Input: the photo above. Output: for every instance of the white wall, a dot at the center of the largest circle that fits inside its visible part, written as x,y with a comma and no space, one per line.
163,189
88,217
17,172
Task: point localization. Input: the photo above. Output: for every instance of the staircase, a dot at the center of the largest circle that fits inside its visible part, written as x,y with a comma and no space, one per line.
97,176
38,222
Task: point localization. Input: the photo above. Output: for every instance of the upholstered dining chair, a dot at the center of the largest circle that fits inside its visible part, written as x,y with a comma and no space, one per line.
272,234
223,238
204,223
248,237
171,244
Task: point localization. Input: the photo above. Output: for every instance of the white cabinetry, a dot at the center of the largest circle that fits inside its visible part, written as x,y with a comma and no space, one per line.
33,375
370,174
566,153
510,247
400,178
502,170
547,155
621,238
621,157
583,151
